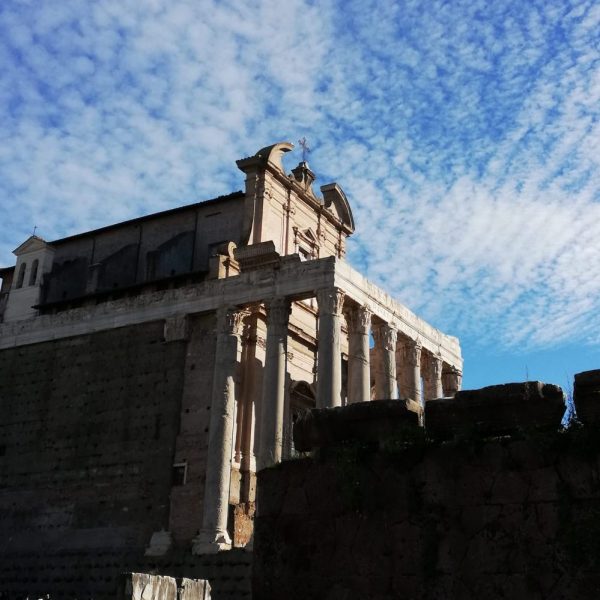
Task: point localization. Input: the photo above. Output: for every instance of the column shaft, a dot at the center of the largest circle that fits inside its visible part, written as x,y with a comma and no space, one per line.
436,376
329,367
273,397
213,535
385,348
412,359
359,369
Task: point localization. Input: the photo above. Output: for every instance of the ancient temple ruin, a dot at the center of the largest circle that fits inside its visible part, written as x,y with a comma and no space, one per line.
167,356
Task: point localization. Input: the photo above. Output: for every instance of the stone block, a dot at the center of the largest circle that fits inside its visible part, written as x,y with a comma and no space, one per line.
194,589
496,410
363,421
586,394
141,586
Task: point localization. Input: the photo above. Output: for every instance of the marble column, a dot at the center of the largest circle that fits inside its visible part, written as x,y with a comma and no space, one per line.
329,357
359,369
385,348
436,365
412,360
401,368
273,396
213,536
452,380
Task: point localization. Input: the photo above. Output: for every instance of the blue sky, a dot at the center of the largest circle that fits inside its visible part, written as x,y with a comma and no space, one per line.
466,135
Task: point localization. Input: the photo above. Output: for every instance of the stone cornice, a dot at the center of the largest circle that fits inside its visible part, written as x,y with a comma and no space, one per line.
292,280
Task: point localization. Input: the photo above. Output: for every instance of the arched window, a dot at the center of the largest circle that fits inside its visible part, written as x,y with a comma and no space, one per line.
21,276
34,270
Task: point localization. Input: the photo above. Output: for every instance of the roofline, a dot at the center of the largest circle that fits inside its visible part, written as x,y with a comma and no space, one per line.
170,211
6,270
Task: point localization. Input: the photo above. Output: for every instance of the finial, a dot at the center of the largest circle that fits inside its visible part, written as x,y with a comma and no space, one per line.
34,229
305,149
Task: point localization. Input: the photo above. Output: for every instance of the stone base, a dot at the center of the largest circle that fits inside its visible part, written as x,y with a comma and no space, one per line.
211,542
160,543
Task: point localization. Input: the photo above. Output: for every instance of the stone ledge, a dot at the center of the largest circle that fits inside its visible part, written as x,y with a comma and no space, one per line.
496,410
365,421
491,411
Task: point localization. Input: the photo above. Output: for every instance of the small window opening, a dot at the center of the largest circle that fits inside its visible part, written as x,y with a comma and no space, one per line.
304,254
21,277
34,271
179,475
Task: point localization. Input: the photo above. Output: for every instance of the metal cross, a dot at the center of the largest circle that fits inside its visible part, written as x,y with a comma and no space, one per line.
305,149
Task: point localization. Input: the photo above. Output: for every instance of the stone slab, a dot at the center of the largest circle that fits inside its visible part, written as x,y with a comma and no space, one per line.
496,410
586,395
365,421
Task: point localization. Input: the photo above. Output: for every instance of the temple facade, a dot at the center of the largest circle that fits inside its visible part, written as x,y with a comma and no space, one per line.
165,358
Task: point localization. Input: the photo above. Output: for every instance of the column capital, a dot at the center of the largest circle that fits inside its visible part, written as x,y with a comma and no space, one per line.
412,352
385,336
330,301
436,364
452,379
230,320
358,319
278,308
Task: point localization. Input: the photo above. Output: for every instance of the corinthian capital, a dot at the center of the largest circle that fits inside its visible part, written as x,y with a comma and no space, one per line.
330,301
385,336
435,364
359,319
278,312
230,320
412,353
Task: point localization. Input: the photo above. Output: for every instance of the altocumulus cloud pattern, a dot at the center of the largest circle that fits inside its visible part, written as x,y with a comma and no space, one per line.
465,134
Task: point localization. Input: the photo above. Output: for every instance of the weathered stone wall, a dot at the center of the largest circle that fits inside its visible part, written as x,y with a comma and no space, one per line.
378,514
90,427
87,427
96,575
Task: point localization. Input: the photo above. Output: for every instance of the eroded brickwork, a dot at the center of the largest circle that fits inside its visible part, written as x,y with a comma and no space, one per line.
87,429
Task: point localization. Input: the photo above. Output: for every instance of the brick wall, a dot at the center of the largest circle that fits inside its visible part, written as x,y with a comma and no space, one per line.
87,434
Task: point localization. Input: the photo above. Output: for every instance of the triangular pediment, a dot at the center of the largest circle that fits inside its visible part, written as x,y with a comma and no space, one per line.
31,244
310,234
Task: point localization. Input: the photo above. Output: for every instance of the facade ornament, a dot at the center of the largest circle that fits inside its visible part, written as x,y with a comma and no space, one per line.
330,301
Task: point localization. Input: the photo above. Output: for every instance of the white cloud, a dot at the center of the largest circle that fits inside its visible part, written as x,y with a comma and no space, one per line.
468,146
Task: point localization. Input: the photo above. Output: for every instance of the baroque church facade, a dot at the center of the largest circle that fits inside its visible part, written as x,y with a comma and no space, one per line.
148,369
